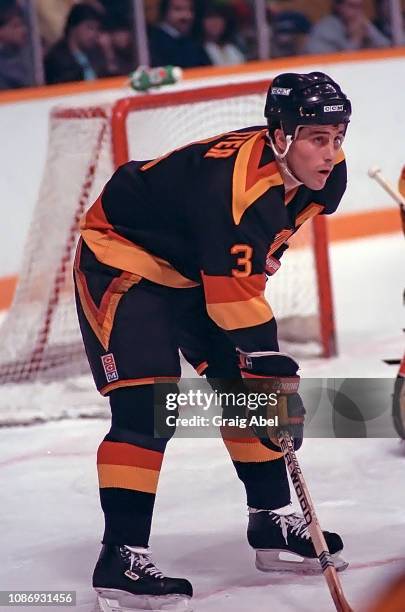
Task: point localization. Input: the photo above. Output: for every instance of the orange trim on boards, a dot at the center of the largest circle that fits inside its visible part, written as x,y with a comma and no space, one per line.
364,224
68,89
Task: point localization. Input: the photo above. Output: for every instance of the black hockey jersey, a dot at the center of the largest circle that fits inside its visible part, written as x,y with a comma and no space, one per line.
213,213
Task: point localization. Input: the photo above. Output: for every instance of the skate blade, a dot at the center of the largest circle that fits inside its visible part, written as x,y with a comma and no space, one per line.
114,600
284,561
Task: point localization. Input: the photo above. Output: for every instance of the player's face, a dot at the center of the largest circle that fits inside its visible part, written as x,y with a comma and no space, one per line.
313,153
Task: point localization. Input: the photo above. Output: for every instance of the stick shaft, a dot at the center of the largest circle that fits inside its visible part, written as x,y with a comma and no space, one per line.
396,196
308,509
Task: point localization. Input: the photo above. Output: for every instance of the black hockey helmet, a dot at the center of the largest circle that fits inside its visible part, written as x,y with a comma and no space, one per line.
305,99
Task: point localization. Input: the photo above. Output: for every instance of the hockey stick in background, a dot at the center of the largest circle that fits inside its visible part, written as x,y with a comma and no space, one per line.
375,173
315,531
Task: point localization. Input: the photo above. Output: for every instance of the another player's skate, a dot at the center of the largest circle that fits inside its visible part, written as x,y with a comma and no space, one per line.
282,542
126,579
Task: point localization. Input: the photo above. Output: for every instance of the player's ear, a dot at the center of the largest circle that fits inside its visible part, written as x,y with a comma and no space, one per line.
280,140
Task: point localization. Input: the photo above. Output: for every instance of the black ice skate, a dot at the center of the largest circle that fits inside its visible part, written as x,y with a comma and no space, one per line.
126,579
282,542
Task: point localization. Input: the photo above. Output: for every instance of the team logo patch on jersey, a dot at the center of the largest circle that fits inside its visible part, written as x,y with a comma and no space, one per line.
272,265
110,369
281,91
334,108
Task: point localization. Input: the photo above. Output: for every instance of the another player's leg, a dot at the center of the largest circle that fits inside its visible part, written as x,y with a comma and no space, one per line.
126,325
398,401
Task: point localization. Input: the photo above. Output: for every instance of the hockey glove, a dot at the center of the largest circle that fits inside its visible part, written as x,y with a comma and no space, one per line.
274,374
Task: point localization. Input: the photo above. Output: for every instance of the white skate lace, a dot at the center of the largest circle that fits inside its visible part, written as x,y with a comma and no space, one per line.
291,522
141,560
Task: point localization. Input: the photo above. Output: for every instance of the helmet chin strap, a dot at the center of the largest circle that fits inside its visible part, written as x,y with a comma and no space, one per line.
282,159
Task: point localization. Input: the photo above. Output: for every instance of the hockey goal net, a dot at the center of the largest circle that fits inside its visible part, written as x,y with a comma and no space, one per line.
40,338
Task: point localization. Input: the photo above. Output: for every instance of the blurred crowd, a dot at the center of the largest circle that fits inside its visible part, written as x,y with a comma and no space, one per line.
90,39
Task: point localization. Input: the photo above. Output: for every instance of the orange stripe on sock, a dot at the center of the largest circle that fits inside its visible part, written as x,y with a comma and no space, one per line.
121,453
250,452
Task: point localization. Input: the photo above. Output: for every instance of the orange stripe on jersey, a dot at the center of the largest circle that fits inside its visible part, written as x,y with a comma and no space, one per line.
134,382
249,182
114,250
101,319
153,162
121,453
221,289
254,173
95,217
126,477
339,157
290,195
238,315
307,213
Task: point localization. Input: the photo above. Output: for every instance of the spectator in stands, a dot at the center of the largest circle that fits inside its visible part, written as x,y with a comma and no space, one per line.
117,43
345,29
52,15
383,19
218,30
289,32
246,31
15,67
171,41
152,12
78,56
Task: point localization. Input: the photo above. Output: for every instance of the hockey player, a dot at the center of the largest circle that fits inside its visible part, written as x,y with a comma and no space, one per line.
174,254
398,400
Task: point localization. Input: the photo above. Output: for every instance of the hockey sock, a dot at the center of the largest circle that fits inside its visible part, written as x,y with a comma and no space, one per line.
261,470
129,461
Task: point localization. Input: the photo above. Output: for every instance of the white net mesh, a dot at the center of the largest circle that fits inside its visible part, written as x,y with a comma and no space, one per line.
40,337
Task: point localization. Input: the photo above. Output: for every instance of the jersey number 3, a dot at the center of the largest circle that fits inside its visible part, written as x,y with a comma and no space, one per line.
243,262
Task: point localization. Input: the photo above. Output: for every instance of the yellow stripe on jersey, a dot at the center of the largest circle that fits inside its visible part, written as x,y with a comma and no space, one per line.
250,181
238,315
114,250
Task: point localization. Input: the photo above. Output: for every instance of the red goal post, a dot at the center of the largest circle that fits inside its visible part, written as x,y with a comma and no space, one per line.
86,144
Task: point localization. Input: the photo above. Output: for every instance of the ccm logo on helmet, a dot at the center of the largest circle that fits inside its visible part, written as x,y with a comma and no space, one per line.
281,91
336,108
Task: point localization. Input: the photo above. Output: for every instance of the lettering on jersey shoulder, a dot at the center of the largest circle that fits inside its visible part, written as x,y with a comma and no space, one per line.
229,145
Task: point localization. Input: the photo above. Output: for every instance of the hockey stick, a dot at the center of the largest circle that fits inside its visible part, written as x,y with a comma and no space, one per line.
375,173
318,539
